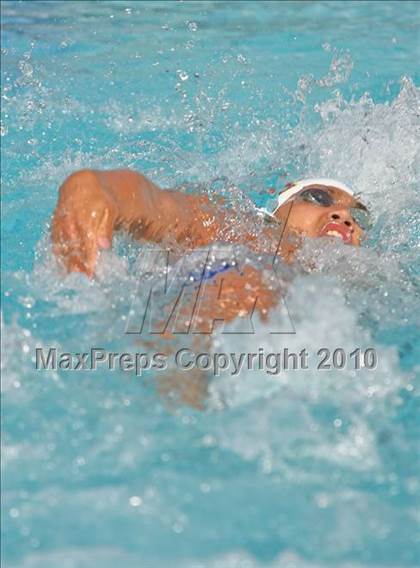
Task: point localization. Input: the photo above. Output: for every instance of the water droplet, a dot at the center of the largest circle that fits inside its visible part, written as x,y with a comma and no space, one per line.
183,75
322,500
27,301
135,501
208,440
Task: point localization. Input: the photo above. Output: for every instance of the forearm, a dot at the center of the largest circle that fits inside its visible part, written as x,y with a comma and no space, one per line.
155,214
143,209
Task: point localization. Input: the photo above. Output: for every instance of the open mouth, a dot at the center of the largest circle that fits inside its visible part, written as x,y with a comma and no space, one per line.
338,230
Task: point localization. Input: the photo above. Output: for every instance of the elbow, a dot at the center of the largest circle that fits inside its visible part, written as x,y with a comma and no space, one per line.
82,179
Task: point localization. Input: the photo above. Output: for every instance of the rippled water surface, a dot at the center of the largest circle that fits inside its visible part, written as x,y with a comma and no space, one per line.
302,469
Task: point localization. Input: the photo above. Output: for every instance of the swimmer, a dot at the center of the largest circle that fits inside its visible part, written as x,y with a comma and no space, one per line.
94,204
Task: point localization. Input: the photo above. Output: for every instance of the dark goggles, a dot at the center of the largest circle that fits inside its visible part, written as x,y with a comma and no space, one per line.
323,198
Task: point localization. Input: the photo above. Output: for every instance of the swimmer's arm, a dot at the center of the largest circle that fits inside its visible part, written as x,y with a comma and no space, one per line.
144,209
93,204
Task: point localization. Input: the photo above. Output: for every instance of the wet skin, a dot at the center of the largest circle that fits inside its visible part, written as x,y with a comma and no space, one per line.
94,204
311,220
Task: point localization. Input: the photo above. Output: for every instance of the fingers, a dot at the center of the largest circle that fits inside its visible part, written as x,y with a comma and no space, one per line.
79,235
71,246
99,237
104,243
105,229
90,252
59,239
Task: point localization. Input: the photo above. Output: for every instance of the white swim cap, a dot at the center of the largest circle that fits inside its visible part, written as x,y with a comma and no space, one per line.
298,186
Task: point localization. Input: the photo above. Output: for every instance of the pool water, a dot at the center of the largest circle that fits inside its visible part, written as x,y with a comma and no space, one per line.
304,469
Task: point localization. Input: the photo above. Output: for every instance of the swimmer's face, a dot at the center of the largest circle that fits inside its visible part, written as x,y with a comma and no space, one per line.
319,216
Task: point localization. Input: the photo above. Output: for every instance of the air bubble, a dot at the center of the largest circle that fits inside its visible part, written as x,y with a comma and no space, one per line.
183,75
135,501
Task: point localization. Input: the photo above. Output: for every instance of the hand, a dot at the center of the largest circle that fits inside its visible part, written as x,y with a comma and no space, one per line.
83,222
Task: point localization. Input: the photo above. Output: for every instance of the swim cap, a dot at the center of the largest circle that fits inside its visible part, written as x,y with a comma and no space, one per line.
296,187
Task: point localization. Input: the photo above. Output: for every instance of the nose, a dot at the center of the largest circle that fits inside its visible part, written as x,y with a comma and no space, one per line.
342,216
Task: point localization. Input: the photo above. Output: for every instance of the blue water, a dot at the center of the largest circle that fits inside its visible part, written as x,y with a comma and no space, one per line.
305,469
